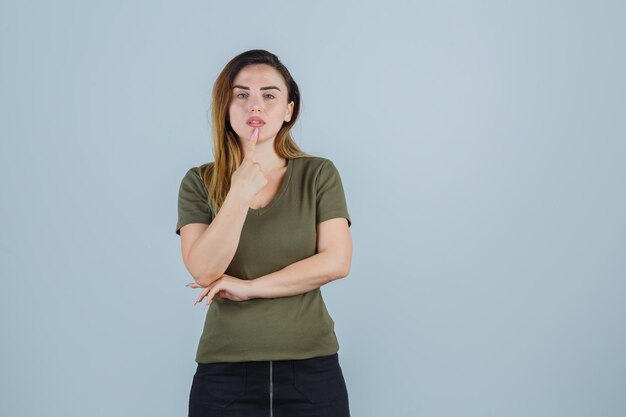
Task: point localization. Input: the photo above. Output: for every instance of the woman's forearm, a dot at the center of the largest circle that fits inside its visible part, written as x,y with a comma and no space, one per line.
211,254
299,277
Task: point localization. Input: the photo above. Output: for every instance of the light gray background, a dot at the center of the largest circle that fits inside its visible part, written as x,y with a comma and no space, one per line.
482,149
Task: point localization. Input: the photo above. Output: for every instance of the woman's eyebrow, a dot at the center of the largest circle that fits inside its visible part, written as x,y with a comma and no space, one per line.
270,87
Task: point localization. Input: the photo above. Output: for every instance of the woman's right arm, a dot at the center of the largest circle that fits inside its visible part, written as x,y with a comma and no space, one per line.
208,249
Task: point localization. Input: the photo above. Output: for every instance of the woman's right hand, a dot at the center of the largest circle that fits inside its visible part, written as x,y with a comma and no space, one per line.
249,178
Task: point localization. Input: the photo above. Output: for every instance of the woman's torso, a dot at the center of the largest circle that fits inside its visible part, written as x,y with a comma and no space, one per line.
280,231
267,194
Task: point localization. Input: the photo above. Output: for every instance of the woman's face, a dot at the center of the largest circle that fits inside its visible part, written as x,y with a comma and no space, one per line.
259,91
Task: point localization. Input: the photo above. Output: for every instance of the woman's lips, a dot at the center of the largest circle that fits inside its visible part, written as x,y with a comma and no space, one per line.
255,121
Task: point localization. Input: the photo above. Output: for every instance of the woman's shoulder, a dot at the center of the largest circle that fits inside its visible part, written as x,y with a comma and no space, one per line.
204,167
199,170
312,161
194,177
308,162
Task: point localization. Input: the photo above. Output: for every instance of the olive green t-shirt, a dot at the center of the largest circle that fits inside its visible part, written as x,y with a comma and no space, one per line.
272,237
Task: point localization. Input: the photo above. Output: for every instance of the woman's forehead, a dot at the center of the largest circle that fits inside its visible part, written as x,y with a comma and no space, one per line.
258,75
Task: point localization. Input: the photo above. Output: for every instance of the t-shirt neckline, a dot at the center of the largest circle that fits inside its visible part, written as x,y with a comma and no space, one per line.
279,194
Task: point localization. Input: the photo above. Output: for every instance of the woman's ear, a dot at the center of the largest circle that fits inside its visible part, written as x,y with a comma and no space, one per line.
289,111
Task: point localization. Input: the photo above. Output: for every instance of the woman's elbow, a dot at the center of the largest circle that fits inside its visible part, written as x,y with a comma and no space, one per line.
204,278
344,268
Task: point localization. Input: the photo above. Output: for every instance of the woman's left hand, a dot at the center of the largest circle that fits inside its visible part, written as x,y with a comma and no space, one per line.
226,286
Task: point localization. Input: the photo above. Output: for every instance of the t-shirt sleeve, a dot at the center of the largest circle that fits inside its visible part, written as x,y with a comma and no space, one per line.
193,206
330,198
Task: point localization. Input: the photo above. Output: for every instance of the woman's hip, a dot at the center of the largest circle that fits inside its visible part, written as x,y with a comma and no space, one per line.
283,388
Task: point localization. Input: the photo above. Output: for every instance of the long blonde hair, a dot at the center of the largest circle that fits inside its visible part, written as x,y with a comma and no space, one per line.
227,150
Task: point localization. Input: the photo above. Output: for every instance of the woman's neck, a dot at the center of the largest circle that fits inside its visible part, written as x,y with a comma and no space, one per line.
268,158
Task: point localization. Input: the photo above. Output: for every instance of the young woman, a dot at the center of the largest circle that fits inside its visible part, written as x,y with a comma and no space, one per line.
262,228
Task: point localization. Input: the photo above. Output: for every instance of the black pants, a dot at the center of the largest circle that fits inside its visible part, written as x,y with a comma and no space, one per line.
312,387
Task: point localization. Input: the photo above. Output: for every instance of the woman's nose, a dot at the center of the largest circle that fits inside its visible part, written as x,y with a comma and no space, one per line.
255,103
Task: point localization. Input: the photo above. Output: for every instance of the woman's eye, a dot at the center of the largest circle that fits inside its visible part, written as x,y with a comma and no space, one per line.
267,95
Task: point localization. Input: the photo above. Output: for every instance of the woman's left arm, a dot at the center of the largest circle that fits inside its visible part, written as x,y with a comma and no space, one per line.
332,261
